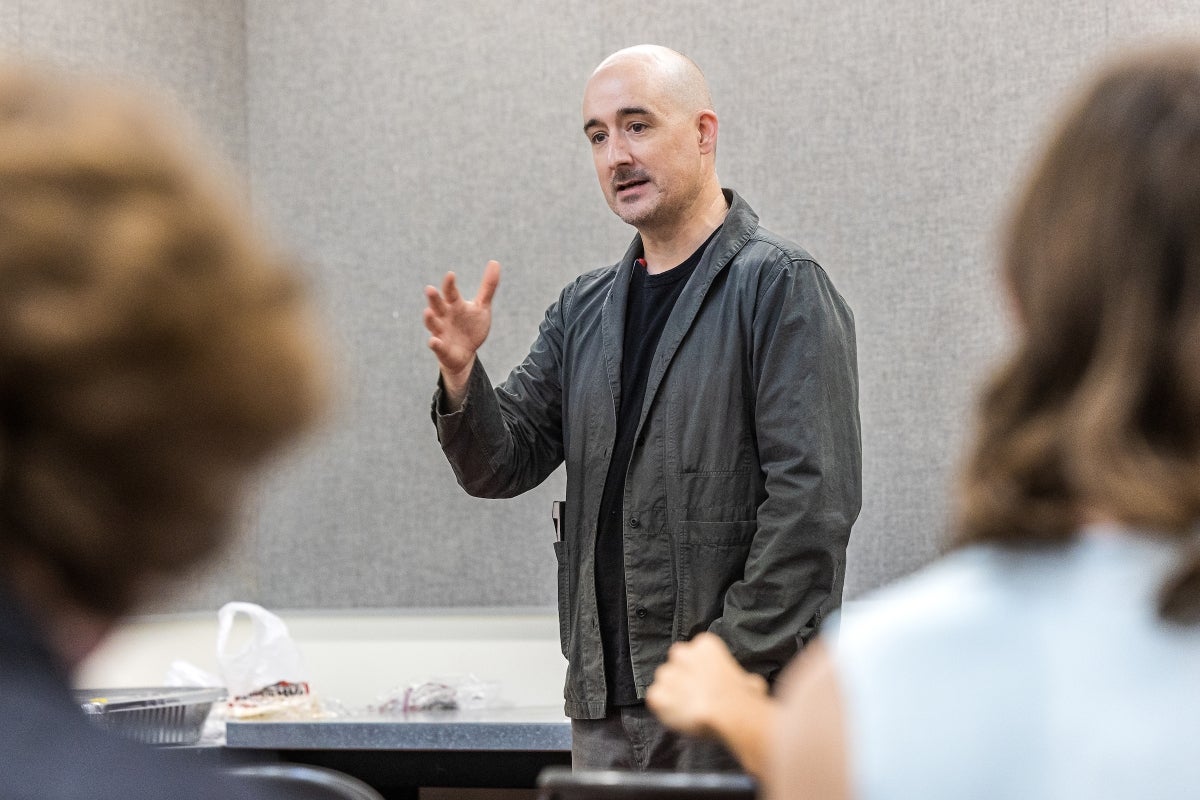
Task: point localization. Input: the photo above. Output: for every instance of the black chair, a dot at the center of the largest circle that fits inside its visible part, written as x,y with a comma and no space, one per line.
303,782
562,783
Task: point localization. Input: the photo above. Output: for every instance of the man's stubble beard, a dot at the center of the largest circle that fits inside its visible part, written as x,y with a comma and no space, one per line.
665,212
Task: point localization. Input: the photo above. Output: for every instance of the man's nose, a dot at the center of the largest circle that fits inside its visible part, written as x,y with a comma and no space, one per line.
618,152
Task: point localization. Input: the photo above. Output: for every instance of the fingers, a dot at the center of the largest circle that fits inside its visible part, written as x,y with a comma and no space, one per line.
682,697
669,697
658,695
434,298
687,652
488,284
433,321
450,295
450,289
443,353
708,645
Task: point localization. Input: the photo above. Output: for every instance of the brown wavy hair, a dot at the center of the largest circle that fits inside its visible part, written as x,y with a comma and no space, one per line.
1097,412
153,348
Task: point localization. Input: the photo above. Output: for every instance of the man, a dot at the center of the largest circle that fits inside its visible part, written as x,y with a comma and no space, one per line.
703,393
152,353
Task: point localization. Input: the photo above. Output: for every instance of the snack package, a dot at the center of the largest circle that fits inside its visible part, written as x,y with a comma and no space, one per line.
445,693
266,676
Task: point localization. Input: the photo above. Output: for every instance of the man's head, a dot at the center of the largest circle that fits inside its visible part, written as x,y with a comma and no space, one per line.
648,115
152,348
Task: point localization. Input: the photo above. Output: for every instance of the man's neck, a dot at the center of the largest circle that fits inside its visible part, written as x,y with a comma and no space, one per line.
667,249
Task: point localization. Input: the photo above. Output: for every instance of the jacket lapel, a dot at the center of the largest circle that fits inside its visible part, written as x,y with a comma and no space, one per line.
612,321
740,223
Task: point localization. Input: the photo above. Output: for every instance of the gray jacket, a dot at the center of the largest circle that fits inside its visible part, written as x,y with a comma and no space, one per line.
746,474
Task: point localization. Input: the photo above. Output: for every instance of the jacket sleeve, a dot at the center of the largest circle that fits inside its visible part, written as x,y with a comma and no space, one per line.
507,440
805,379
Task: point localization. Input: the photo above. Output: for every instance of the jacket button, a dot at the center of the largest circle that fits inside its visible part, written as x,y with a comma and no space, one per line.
641,440
641,612
634,522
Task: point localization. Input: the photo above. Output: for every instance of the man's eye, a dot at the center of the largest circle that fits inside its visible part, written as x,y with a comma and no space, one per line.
598,137
637,127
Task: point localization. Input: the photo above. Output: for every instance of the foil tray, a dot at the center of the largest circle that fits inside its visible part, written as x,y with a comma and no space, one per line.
152,715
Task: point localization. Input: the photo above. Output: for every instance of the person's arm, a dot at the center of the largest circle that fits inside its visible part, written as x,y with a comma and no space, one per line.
500,442
805,376
794,745
808,755
702,691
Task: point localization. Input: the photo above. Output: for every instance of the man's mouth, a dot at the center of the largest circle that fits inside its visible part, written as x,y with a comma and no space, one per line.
631,183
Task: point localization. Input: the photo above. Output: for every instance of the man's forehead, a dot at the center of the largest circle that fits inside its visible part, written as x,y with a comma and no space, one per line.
614,92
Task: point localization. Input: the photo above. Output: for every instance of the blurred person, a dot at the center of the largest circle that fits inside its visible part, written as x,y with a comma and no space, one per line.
703,392
1055,652
153,352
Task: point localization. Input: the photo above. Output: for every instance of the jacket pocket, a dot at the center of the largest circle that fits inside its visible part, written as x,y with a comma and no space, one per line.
564,597
712,556
709,431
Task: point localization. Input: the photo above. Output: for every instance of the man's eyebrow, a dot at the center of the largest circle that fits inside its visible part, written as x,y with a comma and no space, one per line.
627,111
634,111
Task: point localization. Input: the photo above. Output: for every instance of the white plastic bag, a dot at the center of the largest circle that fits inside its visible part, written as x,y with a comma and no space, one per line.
266,674
185,674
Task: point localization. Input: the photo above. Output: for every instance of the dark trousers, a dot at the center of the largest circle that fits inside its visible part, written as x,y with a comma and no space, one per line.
631,737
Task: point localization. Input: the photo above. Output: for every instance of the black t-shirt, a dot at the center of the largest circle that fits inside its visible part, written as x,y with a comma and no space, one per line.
651,298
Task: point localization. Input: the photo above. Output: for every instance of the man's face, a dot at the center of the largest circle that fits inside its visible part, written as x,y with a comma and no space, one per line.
645,147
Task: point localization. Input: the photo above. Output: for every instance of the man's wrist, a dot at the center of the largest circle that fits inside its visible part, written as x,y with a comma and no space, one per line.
454,388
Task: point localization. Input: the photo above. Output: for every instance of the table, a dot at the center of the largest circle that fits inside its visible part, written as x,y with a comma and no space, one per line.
496,747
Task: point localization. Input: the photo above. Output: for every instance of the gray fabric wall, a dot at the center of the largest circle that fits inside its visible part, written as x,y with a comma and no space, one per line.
191,50
389,142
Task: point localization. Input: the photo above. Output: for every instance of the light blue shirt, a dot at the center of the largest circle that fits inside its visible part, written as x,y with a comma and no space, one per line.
1038,673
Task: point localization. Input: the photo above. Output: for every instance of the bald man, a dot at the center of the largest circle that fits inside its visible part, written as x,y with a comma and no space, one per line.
703,393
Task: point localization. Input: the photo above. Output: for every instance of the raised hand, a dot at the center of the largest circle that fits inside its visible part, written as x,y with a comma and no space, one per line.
458,326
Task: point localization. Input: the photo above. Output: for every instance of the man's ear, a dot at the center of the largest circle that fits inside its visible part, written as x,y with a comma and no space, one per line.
706,129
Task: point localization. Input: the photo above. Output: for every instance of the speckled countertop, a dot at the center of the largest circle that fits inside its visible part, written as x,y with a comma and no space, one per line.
510,729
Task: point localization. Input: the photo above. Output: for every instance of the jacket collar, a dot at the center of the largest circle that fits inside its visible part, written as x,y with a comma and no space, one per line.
740,224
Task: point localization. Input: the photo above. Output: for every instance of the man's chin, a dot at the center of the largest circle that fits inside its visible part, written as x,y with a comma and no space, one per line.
635,214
